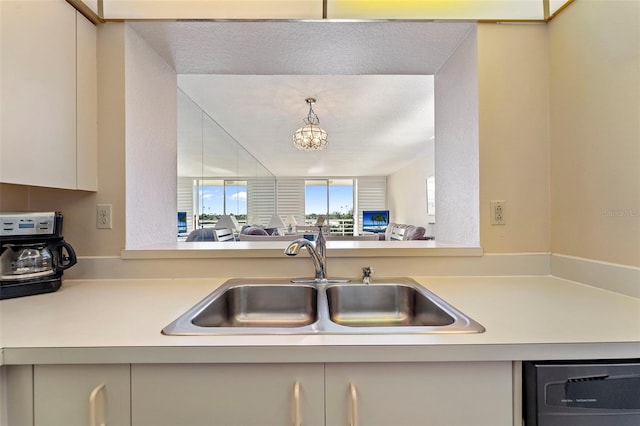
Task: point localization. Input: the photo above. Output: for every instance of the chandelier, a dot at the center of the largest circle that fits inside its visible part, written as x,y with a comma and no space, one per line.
310,137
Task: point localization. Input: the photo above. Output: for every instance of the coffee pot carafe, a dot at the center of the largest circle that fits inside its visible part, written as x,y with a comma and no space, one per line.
29,261
33,254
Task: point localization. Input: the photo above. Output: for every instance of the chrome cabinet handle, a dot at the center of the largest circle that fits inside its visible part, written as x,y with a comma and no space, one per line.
297,418
354,405
97,405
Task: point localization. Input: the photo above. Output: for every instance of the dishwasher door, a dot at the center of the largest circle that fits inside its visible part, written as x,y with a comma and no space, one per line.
581,393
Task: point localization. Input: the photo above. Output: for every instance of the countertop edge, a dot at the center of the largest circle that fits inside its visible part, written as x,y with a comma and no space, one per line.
319,354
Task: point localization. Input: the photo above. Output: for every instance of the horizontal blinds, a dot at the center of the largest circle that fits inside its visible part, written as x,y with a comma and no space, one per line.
185,199
372,195
291,199
261,200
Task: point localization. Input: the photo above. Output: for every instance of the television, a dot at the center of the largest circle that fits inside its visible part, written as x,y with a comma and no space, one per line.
375,221
182,223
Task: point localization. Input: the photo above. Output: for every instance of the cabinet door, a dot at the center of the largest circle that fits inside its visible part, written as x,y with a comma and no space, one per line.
38,86
420,394
73,395
87,104
18,395
227,395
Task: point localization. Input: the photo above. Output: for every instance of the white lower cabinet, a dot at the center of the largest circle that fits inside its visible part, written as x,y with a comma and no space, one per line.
362,394
81,395
18,398
305,394
424,394
227,395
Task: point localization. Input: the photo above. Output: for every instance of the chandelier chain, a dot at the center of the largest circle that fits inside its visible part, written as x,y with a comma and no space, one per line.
312,117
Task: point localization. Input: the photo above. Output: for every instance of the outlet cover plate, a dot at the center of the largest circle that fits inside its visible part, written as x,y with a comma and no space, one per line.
498,212
103,216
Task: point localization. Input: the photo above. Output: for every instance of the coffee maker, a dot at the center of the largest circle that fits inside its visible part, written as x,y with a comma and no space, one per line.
33,253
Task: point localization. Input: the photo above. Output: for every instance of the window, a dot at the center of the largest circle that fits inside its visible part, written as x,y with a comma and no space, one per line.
333,197
215,197
235,197
316,198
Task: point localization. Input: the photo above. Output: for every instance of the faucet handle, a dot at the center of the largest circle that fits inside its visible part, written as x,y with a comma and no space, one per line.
367,271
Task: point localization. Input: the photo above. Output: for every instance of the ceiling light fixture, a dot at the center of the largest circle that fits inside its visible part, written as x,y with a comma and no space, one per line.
310,137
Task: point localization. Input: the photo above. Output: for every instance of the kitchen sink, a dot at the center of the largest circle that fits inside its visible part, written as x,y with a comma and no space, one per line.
278,306
251,307
261,306
384,305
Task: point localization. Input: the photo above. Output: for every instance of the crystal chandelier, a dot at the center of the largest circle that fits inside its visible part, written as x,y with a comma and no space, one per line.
310,137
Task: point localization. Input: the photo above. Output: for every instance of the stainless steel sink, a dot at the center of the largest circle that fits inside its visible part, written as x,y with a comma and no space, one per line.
251,307
261,306
384,305
277,306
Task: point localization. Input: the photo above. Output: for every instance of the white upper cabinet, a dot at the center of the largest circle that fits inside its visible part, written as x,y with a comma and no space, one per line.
86,105
42,101
332,9
212,9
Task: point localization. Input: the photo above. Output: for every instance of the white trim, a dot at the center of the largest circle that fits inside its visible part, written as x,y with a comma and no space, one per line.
608,276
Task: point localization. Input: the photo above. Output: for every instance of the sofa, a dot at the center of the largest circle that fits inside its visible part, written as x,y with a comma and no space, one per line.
404,232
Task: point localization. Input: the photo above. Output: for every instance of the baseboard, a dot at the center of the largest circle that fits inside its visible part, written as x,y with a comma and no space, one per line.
609,276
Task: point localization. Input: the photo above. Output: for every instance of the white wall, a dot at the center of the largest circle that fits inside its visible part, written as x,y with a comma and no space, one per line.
456,146
595,131
151,147
406,189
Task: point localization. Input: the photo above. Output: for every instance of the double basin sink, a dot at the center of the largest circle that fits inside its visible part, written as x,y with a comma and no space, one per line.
278,306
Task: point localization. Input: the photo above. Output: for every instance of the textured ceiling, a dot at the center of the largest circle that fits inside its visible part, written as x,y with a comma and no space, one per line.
373,82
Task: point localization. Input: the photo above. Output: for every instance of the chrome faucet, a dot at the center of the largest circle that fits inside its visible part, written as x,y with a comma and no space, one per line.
366,274
316,250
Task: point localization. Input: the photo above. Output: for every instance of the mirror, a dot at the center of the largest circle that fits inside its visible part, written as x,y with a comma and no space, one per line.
213,170
359,158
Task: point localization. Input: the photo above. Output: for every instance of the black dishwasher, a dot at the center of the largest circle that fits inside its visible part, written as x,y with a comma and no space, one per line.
581,393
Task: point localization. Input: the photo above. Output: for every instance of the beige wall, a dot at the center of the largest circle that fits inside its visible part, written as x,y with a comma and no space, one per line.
514,142
595,131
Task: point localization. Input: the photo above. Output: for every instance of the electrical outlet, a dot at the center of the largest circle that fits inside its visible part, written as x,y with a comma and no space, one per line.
103,216
497,212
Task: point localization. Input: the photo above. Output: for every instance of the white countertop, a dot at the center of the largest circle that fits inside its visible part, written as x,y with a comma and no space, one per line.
104,321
